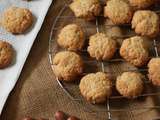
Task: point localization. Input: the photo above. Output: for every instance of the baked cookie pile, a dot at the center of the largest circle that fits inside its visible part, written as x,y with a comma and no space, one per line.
15,20
97,87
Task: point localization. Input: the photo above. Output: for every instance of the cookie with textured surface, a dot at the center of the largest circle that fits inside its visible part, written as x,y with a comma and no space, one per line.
101,47
130,84
135,51
17,20
71,37
154,71
6,54
146,23
96,87
119,11
87,9
67,65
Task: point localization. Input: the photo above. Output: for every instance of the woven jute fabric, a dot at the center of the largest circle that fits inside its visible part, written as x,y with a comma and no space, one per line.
37,93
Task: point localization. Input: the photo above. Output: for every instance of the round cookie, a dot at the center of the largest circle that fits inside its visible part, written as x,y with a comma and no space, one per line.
87,9
6,54
101,47
96,87
119,11
135,51
17,20
141,4
71,37
154,71
146,23
130,84
67,65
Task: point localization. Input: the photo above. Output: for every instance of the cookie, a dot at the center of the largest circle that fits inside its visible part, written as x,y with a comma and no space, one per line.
146,23
17,20
141,4
67,65
101,47
135,51
119,11
87,9
96,87
154,71
130,84
71,37
6,54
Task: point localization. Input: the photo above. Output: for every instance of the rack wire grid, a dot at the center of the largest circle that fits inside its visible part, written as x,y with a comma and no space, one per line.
116,104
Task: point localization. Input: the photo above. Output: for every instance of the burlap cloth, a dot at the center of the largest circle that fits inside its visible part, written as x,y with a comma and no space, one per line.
37,94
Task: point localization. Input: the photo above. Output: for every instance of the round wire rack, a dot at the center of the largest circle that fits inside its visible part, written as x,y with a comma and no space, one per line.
116,104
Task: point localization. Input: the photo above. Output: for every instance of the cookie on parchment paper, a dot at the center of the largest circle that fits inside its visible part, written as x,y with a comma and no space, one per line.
6,54
17,20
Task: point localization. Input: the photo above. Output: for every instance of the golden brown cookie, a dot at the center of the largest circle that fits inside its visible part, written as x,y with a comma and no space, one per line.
130,84
71,37
141,4
67,65
87,9
6,54
101,47
17,20
135,51
154,71
146,23
119,11
96,87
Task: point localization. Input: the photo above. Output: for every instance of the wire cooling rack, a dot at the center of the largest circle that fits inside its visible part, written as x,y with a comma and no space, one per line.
65,17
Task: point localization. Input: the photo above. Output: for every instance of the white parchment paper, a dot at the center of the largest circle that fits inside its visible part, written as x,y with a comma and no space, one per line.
21,43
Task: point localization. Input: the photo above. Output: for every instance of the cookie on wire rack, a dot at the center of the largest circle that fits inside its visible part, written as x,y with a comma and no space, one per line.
96,87
67,65
119,11
146,23
135,51
17,20
87,9
154,71
130,84
101,47
71,37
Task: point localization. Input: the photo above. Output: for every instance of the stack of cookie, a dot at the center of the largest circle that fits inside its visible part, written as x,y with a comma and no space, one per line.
16,21
97,87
